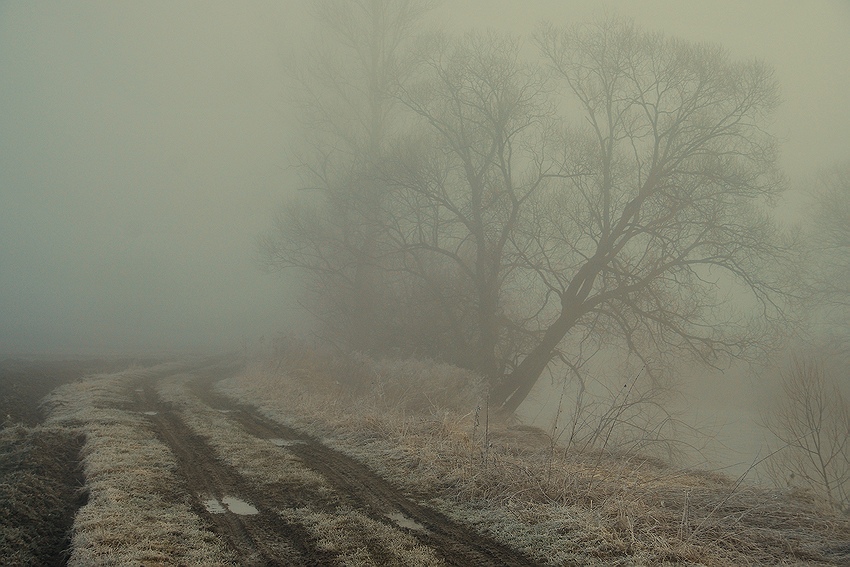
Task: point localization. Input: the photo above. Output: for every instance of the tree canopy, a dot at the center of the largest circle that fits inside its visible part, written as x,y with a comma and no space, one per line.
524,209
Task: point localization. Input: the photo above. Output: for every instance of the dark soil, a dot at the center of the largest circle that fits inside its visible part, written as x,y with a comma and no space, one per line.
40,474
40,491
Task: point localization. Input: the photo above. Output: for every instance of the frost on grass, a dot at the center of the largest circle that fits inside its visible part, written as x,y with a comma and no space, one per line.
360,541
258,460
560,506
136,513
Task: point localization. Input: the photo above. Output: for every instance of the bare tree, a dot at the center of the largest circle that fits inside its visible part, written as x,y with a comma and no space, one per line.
614,192
828,263
668,219
812,423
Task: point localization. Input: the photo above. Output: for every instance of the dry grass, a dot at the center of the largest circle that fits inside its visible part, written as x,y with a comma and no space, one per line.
359,541
514,484
136,513
256,459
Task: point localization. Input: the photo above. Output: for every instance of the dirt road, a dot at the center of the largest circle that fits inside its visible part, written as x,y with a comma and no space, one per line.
252,523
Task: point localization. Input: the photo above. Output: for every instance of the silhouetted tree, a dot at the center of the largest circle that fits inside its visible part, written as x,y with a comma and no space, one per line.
667,218
614,191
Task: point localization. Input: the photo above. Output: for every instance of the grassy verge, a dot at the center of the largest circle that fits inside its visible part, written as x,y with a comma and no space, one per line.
513,483
136,512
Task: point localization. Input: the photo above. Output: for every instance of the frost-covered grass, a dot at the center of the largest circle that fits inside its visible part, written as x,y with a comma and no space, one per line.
136,512
513,483
258,460
359,541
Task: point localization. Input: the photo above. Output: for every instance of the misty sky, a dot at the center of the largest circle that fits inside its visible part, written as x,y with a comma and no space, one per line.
143,147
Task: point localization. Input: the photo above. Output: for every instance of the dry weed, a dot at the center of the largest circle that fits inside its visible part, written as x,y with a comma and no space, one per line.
515,484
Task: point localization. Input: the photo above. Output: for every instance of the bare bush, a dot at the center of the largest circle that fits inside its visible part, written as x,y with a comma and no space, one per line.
811,421
633,418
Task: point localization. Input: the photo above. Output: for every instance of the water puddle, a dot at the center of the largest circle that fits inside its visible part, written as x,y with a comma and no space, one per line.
239,507
288,442
403,521
231,503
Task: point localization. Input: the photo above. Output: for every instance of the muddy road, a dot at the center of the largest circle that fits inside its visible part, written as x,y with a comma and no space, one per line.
249,517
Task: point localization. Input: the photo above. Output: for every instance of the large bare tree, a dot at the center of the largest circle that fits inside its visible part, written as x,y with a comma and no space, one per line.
618,191
670,217
613,190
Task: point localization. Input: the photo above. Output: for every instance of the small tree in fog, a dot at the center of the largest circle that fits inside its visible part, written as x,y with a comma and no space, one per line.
811,421
829,261
343,93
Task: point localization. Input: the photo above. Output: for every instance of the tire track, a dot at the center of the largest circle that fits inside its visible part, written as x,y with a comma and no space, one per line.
456,544
261,539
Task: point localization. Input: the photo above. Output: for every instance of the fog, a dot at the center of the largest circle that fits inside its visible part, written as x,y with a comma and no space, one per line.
145,145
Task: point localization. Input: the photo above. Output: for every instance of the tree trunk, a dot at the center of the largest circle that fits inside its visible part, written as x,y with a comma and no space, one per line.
515,387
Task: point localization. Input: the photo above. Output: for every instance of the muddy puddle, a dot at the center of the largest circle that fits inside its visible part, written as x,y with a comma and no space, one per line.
287,442
229,504
403,521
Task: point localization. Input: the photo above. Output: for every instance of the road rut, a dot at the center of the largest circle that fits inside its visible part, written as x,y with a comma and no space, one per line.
269,539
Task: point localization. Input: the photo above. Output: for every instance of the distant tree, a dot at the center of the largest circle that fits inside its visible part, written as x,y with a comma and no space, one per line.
463,180
343,93
811,421
828,232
